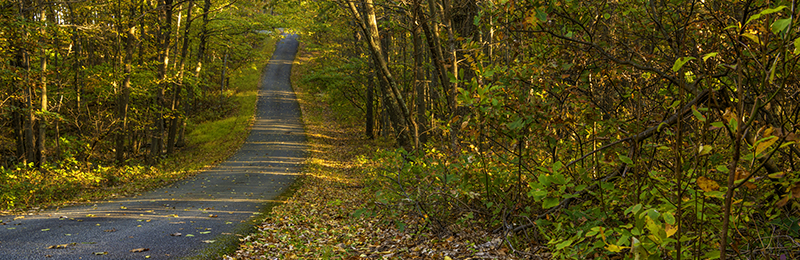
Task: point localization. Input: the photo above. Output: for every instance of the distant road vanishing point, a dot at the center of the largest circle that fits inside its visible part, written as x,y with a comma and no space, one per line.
188,217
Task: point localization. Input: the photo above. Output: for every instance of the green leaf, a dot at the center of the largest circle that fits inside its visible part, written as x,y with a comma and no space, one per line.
734,124
633,209
558,179
541,15
550,202
557,167
680,62
723,168
704,149
752,37
765,12
781,25
712,255
625,159
709,55
715,194
797,46
544,180
564,244
697,114
668,218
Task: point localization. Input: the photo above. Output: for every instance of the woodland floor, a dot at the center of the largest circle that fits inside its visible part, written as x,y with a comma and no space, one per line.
316,222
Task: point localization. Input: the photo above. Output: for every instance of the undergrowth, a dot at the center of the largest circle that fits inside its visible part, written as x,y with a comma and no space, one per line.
212,137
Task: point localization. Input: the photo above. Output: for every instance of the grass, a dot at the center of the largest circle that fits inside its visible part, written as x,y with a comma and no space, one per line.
70,182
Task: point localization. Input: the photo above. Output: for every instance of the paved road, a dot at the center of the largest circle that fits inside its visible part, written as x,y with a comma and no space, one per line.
205,210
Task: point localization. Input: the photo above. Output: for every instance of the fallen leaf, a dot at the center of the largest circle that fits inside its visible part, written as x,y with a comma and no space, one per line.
212,216
137,250
189,235
110,230
58,246
100,253
45,229
209,241
176,234
205,232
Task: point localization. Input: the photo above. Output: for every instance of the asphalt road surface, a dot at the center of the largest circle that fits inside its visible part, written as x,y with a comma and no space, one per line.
188,217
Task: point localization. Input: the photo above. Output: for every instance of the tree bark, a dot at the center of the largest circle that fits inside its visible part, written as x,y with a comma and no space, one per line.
40,146
177,119
395,106
420,84
157,141
123,99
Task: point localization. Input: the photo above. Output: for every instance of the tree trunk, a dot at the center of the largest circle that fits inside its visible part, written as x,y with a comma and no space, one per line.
395,106
157,141
40,146
370,131
123,99
420,85
175,121
201,46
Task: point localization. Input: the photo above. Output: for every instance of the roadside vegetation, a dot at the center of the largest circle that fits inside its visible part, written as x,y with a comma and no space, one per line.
80,164
554,129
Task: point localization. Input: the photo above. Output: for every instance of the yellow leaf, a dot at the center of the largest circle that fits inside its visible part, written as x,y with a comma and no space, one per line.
615,248
447,258
670,229
707,184
765,144
752,37
728,114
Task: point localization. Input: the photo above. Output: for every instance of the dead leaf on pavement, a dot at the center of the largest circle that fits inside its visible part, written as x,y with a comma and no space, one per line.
60,246
141,249
176,234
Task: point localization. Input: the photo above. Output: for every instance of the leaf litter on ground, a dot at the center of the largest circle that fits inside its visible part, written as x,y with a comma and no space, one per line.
317,222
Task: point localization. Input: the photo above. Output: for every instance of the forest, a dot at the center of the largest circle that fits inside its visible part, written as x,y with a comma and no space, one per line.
580,129
98,93
594,129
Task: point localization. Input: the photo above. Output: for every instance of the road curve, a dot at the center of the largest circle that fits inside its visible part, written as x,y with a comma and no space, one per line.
185,218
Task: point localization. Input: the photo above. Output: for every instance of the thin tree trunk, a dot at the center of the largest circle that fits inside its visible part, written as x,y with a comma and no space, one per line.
123,99
419,79
157,141
224,70
395,106
370,104
41,152
176,121
201,46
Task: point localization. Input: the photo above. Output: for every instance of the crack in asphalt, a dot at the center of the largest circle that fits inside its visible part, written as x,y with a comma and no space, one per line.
182,219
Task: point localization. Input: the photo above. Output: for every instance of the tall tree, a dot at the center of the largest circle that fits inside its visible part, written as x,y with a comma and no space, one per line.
165,23
395,105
